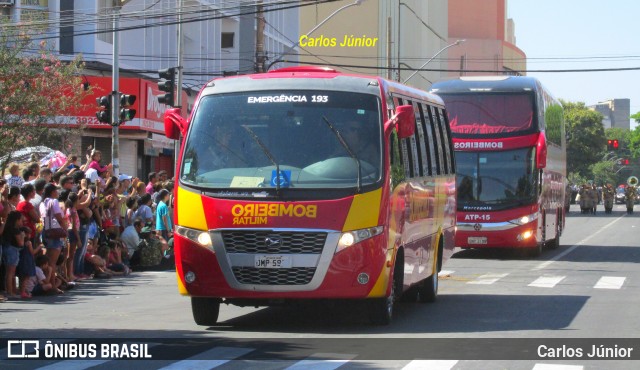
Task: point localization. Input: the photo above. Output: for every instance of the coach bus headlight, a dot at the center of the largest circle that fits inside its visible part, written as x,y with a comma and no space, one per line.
356,236
524,219
197,236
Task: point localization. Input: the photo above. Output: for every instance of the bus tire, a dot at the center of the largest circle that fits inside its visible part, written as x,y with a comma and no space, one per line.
428,290
555,243
381,309
205,310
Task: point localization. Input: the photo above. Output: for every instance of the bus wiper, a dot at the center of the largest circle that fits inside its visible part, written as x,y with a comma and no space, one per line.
348,149
267,153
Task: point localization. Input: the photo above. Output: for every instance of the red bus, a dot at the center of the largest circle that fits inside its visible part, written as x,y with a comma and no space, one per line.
510,146
309,184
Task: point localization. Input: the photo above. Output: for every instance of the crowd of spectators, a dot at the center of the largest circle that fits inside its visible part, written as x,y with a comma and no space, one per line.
62,225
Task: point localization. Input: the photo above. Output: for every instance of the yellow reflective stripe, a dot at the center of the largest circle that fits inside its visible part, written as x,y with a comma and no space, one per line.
380,287
191,210
181,288
364,211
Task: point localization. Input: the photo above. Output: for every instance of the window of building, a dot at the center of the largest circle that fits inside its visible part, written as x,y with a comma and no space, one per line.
226,40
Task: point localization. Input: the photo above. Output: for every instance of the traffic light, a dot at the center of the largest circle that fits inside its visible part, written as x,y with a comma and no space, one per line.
168,85
612,144
625,161
126,102
104,114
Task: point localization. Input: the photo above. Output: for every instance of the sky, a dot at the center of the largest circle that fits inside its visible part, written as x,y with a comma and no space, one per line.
581,34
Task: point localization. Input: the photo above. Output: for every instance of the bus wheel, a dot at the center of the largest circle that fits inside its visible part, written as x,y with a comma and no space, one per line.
205,310
428,290
555,243
381,309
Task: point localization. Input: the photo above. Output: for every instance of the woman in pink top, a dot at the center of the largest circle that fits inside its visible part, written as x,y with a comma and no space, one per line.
73,220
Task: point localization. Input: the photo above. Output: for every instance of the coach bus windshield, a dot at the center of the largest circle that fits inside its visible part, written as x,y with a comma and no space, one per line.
495,180
489,113
316,139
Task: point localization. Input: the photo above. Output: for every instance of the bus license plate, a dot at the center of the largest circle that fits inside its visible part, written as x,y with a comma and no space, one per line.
477,240
272,262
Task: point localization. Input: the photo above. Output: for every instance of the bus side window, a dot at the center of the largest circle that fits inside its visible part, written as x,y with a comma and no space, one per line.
397,168
419,143
426,143
448,164
434,142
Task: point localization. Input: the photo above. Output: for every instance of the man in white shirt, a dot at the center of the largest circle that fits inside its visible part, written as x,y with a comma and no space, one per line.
130,236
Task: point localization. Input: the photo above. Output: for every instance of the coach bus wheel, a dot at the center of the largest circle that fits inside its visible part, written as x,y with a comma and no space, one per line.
205,310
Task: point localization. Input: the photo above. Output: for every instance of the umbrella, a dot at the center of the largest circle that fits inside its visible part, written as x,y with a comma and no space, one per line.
25,154
54,160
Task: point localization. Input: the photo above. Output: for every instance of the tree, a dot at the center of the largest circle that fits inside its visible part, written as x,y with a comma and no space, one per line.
604,172
36,89
587,141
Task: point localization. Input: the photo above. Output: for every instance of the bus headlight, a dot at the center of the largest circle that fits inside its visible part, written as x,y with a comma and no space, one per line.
524,219
350,238
197,236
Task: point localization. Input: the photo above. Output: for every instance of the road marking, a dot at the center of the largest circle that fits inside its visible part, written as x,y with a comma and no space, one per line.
547,281
487,279
323,361
445,273
557,367
202,360
430,364
609,282
581,242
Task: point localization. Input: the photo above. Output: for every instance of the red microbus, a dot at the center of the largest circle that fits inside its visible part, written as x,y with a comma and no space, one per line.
309,184
511,157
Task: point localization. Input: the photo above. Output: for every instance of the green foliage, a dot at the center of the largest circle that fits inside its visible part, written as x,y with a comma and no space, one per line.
636,117
36,90
587,142
605,172
553,124
634,142
576,179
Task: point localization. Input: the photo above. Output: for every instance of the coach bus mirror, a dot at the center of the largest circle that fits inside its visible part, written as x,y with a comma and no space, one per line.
405,121
174,124
541,151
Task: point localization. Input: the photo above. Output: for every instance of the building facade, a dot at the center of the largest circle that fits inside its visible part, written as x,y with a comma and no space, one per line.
490,46
616,113
384,38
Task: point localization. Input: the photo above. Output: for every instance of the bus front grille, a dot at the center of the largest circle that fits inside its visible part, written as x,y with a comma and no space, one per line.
265,241
286,276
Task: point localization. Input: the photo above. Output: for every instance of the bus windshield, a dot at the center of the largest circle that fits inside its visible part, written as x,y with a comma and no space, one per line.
496,180
489,113
316,139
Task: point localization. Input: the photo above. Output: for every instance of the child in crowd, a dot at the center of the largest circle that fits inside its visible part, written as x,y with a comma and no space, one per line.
13,241
27,263
44,281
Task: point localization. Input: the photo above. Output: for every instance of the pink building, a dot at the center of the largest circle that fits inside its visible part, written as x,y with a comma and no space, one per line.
490,46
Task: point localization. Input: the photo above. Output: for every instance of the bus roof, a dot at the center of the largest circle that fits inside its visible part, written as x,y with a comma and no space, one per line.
311,78
486,84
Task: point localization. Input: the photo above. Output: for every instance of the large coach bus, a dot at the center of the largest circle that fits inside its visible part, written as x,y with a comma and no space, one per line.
309,184
510,146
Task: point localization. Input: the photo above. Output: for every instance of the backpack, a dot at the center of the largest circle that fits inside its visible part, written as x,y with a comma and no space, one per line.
150,253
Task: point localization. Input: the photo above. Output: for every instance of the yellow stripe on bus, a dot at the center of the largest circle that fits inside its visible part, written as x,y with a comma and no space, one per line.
181,288
191,210
364,211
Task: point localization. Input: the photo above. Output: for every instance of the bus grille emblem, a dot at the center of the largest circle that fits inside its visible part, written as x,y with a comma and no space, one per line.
477,227
272,242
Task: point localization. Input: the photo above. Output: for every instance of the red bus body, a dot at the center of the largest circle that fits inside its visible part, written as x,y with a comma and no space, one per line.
271,245
502,128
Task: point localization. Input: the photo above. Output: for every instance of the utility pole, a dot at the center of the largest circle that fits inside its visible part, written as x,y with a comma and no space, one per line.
260,56
178,87
389,43
115,95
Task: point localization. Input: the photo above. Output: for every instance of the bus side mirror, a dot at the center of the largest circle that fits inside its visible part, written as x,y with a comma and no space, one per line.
541,151
174,124
405,121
